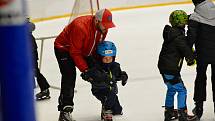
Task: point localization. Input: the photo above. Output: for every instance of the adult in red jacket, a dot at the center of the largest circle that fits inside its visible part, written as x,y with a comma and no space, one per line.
75,43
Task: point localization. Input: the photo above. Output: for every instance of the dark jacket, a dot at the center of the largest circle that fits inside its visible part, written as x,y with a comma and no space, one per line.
31,28
34,48
107,74
114,70
201,31
174,49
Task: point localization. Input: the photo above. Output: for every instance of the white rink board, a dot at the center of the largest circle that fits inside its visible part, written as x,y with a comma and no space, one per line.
48,8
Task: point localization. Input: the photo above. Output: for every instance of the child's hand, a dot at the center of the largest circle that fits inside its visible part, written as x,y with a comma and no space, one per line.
124,78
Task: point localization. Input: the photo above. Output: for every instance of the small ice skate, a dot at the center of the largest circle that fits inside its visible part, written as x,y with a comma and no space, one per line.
43,95
106,115
66,114
170,114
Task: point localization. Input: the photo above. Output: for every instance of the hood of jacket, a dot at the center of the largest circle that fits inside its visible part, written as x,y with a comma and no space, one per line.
204,13
169,33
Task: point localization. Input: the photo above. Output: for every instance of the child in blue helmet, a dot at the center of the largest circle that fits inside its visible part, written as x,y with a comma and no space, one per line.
107,73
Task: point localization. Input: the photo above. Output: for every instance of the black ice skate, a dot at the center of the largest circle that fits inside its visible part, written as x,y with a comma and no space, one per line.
106,115
192,118
198,110
174,114
43,95
170,114
183,116
66,114
189,117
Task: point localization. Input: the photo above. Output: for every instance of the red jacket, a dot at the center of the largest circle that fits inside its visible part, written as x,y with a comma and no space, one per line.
78,39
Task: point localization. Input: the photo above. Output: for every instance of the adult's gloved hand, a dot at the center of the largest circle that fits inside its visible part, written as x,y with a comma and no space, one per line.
95,75
124,78
85,76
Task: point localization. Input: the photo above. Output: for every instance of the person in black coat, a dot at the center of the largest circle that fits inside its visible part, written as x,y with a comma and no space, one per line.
41,80
106,73
201,33
174,50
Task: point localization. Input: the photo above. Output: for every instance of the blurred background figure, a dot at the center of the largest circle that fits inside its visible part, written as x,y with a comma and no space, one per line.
41,80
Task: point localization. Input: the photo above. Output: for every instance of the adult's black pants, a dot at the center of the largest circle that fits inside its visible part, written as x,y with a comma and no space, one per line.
200,82
68,78
41,80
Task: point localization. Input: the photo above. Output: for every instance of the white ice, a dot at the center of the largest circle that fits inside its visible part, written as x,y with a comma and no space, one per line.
138,37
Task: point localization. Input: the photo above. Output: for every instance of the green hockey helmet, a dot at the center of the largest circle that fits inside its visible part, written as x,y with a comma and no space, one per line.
178,18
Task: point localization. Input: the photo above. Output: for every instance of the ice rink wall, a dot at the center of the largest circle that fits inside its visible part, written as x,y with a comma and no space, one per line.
40,10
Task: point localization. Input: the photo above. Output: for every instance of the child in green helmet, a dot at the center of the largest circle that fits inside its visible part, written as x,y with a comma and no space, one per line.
174,50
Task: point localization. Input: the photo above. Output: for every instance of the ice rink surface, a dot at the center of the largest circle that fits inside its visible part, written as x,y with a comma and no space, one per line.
138,37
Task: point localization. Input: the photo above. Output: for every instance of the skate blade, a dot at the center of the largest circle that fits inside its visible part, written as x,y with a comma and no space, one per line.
120,118
192,118
107,119
43,98
174,118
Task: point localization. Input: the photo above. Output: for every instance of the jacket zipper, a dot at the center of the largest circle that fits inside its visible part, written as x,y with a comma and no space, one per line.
94,42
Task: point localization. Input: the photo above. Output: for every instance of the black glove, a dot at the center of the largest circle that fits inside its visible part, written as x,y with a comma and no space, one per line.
91,62
85,76
124,78
95,75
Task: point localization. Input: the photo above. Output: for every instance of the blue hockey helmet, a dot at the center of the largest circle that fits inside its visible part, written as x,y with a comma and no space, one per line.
106,48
